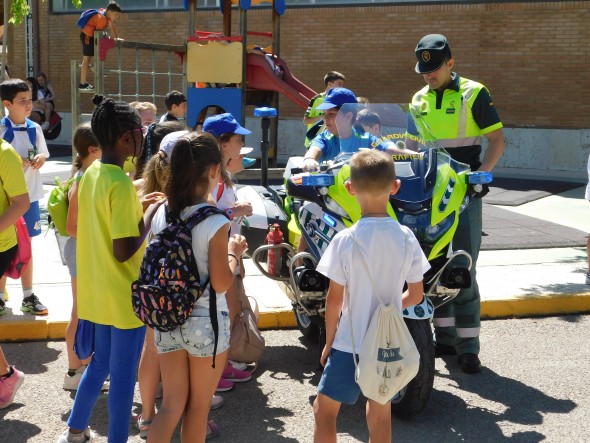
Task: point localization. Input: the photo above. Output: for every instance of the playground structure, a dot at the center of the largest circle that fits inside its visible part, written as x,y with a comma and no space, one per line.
215,70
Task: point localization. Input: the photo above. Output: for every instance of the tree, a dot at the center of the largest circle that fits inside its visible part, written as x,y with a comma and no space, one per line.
20,8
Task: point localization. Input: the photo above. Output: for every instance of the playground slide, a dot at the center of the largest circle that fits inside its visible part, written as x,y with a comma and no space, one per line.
261,75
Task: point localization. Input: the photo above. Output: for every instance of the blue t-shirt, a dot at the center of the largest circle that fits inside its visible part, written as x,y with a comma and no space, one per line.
331,146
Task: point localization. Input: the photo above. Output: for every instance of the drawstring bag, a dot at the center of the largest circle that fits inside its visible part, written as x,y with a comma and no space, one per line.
388,359
23,253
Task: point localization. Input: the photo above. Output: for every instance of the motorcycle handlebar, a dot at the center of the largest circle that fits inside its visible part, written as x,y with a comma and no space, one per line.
323,168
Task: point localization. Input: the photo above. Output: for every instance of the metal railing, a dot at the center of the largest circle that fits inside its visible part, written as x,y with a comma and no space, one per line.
138,71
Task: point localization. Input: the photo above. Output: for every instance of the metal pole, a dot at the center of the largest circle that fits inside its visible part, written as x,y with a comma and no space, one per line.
266,114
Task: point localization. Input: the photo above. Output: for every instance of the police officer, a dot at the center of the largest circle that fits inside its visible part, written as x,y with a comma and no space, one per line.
458,113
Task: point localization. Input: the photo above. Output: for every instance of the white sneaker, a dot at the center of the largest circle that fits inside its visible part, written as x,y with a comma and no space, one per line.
239,365
71,382
216,402
86,436
45,126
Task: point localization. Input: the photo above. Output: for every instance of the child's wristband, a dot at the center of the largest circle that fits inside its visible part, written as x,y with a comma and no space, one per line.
230,213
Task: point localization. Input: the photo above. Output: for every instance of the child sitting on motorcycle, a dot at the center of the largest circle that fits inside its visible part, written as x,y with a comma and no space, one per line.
340,112
378,236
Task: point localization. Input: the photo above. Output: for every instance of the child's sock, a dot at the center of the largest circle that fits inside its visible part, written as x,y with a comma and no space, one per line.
9,374
27,292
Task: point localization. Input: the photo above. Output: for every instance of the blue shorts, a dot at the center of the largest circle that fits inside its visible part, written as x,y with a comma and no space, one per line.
33,219
337,380
196,335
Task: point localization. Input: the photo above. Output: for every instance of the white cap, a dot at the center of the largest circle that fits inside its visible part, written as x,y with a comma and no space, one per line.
169,141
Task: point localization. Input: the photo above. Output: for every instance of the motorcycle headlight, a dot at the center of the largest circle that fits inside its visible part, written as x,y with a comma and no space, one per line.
422,229
334,207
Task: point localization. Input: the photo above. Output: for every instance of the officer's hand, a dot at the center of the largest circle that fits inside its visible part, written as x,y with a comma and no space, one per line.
310,164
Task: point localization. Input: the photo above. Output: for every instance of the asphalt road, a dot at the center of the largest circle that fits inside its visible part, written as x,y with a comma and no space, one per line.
534,387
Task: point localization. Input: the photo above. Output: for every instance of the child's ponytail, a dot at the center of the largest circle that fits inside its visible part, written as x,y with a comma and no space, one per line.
190,161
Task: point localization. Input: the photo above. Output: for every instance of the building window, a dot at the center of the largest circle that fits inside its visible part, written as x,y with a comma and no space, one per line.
126,5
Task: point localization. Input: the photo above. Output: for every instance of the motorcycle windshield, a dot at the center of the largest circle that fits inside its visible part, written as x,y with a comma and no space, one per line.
390,128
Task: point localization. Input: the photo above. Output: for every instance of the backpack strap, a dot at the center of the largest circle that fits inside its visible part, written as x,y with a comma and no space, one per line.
31,130
368,273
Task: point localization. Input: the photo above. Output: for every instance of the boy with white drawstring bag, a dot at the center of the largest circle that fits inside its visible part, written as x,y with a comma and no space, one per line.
367,265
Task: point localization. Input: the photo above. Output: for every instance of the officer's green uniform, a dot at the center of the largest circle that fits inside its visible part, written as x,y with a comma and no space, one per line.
457,118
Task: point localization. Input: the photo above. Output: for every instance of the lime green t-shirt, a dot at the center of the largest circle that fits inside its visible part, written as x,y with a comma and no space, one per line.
108,209
13,184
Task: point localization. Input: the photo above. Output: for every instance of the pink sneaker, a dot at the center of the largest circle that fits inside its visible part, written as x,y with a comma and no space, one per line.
224,385
9,386
235,375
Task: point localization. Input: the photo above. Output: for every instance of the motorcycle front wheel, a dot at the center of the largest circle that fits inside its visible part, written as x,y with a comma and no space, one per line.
413,398
307,326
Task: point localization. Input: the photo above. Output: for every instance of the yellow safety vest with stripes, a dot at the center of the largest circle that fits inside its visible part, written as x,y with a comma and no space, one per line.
452,119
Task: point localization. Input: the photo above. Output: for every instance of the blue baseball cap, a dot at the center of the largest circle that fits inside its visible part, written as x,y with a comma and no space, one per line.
337,97
223,124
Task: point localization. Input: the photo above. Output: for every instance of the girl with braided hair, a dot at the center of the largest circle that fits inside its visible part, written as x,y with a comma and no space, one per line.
111,231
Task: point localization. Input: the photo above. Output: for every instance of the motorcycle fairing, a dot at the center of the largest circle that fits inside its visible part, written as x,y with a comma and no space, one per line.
349,203
315,230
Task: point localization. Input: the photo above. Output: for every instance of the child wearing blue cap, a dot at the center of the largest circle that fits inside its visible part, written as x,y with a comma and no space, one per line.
340,109
229,134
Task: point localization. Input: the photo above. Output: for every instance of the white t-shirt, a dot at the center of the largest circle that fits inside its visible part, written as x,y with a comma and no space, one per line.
201,234
21,145
227,200
381,242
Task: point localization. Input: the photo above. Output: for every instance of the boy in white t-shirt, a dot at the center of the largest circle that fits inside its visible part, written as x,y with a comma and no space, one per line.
18,130
381,241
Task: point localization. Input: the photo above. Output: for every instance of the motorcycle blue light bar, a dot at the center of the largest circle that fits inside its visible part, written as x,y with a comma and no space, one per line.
479,177
308,179
329,220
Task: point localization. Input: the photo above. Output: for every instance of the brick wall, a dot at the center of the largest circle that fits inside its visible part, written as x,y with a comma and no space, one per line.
532,55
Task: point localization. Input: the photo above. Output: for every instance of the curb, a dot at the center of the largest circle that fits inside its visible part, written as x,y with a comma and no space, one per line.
40,329
548,304
531,306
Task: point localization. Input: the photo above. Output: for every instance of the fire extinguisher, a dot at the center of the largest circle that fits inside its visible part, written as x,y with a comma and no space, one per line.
275,256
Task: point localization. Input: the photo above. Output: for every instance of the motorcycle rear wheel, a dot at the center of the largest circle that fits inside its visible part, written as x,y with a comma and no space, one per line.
309,329
414,397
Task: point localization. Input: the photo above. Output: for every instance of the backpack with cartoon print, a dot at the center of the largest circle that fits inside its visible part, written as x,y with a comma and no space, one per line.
169,282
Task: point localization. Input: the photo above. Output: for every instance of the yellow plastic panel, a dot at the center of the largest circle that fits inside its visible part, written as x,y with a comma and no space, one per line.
214,62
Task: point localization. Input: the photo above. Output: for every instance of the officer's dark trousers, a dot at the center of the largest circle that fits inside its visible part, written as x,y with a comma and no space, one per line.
457,323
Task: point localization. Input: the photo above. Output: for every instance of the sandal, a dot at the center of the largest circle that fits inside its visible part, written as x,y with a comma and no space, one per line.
143,426
212,430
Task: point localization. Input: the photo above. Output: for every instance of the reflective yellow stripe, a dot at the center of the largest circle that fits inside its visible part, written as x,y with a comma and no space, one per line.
465,109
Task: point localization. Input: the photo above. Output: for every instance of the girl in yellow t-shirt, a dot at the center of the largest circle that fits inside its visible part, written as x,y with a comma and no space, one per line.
110,243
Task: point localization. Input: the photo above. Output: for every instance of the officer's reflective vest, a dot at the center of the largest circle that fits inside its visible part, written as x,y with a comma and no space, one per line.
452,124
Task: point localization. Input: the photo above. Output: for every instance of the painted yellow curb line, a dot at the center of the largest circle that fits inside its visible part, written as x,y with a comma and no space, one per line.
56,330
547,304
553,304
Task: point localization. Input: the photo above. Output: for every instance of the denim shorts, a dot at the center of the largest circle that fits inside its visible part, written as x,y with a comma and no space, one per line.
33,219
70,255
337,380
196,335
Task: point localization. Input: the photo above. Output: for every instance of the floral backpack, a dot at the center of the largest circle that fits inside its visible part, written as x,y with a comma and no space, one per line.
169,282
